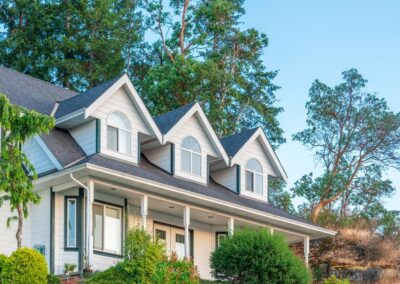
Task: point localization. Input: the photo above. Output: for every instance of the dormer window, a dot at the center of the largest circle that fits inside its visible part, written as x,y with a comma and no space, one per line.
119,133
191,156
254,176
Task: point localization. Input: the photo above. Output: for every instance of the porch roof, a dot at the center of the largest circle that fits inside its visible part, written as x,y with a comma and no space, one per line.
151,172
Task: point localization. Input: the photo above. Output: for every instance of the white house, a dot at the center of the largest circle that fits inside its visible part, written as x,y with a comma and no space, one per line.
110,166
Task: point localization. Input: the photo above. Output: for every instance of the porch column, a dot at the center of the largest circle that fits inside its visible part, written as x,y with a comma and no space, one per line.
231,225
89,227
144,203
272,230
186,223
306,249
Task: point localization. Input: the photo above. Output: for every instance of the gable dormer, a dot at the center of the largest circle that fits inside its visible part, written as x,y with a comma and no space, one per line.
190,143
110,119
252,162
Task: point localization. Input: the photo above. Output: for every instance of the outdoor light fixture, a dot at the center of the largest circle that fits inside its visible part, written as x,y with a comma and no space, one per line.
171,207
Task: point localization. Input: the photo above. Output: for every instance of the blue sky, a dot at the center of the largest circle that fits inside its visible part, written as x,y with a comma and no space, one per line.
313,39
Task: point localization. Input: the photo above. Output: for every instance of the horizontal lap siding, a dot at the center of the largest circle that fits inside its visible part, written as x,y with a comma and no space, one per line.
226,177
102,262
161,157
8,242
120,101
85,136
255,150
193,128
37,156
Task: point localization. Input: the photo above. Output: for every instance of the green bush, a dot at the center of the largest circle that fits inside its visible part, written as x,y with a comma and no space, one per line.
25,266
3,260
52,279
256,256
334,280
173,271
110,275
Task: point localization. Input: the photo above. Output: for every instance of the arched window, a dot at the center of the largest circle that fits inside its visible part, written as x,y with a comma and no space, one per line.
254,176
191,156
118,133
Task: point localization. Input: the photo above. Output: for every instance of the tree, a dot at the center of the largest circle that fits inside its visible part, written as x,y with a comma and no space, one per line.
349,130
201,54
16,172
279,197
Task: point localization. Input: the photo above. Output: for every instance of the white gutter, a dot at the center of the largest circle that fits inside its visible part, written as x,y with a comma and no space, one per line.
87,223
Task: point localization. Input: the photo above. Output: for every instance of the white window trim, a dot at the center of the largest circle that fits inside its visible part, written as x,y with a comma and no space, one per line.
254,178
68,245
103,250
191,152
119,129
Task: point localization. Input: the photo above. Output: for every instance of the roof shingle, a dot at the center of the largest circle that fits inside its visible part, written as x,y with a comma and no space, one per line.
232,144
167,120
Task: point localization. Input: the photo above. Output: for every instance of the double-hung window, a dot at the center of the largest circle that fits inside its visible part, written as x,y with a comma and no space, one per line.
71,222
119,133
254,176
107,228
191,156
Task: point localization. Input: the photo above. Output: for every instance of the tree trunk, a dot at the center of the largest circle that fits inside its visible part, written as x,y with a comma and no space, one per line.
20,225
316,210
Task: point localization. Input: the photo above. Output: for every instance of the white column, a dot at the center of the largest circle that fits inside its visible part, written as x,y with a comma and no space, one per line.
89,227
272,230
144,203
186,223
231,226
306,249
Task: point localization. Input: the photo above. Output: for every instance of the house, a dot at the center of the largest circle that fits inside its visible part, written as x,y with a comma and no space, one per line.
109,166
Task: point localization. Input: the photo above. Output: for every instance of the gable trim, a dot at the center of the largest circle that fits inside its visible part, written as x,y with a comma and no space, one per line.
143,111
196,109
268,150
48,153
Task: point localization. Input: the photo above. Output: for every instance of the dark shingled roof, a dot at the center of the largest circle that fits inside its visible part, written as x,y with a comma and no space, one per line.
232,144
167,120
151,172
84,99
31,93
63,146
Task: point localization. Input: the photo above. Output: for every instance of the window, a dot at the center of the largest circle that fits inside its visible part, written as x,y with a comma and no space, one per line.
254,176
71,223
107,228
119,133
161,235
191,156
220,236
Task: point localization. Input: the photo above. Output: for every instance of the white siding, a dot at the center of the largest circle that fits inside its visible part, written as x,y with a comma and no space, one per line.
103,262
8,243
226,177
85,136
120,101
37,156
160,156
192,127
255,150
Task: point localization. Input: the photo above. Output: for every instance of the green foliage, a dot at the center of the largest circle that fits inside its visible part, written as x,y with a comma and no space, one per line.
52,279
173,271
69,268
352,134
111,275
256,256
17,173
334,280
279,197
3,260
25,266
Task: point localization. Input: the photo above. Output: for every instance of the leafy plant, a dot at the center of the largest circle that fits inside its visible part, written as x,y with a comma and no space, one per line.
69,268
256,256
25,265
3,260
52,279
173,271
334,280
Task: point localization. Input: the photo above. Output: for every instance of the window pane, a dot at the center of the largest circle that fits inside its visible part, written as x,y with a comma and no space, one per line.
180,238
258,187
186,143
112,138
185,161
125,142
118,120
112,232
196,166
249,181
161,234
98,227
71,222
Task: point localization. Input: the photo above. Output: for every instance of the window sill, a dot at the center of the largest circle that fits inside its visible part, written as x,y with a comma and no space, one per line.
71,249
99,252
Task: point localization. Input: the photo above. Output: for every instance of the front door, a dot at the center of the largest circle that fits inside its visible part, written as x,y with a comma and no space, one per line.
172,237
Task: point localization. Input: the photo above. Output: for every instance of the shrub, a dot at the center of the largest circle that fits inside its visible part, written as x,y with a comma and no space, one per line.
25,266
256,256
3,260
110,275
173,271
52,279
334,280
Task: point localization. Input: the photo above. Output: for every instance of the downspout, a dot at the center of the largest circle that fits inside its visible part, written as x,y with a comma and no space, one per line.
88,224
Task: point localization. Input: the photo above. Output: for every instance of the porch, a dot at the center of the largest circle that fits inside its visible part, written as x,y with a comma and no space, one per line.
110,209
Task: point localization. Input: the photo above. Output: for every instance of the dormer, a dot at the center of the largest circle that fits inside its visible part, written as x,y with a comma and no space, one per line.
252,162
110,119
189,144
